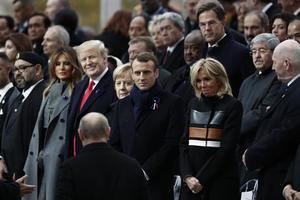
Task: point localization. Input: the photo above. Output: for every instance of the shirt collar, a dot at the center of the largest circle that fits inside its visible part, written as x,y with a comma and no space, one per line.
217,43
4,90
291,81
266,8
27,92
96,81
297,11
171,49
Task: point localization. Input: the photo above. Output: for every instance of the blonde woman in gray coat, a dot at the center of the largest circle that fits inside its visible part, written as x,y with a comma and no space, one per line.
46,148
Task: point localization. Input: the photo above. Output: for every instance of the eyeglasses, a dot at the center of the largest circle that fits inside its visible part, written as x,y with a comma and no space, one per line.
260,51
22,68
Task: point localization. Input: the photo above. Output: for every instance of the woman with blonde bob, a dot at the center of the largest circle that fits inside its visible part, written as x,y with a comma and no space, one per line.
46,150
207,151
123,80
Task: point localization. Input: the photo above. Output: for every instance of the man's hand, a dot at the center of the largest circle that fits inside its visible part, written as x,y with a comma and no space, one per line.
193,184
289,192
25,188
3,169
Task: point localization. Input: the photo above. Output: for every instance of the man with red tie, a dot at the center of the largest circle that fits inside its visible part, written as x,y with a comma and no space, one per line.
93,94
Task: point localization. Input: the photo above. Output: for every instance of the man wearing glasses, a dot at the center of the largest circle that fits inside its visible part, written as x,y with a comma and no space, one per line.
21,118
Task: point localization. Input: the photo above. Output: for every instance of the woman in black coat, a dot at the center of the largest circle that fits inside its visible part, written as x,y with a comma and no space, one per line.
207,152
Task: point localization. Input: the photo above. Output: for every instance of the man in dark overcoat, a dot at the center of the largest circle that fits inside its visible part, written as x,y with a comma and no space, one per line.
147,126
99,171
278,135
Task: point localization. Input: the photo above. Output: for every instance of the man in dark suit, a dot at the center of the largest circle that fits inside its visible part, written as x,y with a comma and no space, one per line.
278,135
234,56
172,32
98,171
147,126
7,90
22,114
93,94
179,83
257,91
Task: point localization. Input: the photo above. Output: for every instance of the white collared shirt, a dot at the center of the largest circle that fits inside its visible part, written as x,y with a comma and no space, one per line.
96,81
266,8
216,44
4,90
291,81
27,92
171,49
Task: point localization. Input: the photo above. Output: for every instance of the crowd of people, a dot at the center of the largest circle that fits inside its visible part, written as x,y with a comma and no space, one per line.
155,107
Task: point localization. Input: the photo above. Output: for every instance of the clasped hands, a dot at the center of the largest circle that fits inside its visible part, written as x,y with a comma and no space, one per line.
193,184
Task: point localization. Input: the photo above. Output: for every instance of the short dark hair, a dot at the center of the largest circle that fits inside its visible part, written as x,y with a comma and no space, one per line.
9,20
145,57
214,7
46,21
150,46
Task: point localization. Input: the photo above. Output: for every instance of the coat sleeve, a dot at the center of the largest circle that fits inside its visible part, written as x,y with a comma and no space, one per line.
65,187
280,142
114,138
168,152
226,152
184,161
251,119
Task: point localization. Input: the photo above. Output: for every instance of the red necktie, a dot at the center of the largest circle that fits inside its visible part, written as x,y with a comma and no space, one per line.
86,95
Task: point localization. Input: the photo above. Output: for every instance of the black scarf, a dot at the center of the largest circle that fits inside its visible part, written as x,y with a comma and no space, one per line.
145,100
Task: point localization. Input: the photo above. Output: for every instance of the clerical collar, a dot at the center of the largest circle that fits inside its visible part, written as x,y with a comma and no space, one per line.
96,81
217,43
171,49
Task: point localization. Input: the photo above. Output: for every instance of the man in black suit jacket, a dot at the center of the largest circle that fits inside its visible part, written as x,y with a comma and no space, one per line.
172,32
147,126
100,172
7,90
234,56
92,55
22,114
278,135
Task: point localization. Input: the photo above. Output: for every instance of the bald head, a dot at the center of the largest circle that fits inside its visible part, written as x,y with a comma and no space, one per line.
193,46
93,127
286,60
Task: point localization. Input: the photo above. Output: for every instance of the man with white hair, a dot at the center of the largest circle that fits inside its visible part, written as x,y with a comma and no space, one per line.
54,38
172,32
94,93
278,135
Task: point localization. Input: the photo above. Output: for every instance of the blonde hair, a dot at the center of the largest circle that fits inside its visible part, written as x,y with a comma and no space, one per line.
122,71
214,69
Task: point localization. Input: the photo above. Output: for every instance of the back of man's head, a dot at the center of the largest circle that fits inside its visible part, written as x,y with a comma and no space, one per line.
93,127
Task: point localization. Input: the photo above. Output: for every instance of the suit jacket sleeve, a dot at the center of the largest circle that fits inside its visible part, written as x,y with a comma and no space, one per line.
185,167
251,118
169,150
278,143
226,152
65,186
